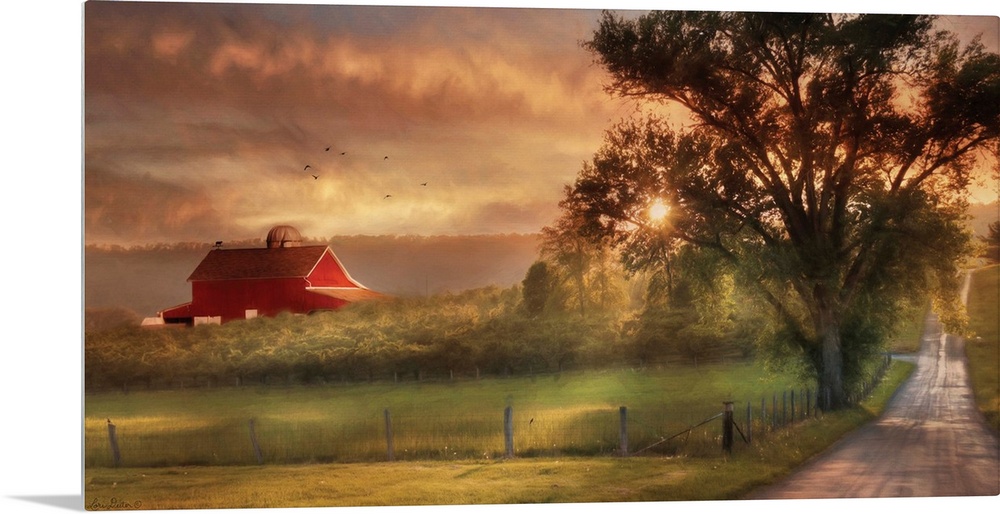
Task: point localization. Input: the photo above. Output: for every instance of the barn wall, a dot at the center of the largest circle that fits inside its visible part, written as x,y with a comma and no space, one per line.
230,299
328,273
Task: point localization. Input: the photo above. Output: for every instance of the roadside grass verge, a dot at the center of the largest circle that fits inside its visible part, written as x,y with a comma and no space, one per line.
982,347
547,479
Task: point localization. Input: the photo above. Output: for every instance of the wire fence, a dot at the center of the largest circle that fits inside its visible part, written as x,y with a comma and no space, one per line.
380,434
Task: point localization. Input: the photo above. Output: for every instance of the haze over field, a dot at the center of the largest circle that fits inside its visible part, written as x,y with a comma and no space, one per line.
151,279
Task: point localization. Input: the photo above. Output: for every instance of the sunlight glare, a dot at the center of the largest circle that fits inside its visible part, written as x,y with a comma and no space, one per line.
658,210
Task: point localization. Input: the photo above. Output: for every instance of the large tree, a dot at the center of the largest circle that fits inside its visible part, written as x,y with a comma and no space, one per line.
825,159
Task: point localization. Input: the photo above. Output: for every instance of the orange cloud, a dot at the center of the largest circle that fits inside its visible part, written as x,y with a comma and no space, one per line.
170,43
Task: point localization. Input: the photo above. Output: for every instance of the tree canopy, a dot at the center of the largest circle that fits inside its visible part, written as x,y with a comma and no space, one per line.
826,161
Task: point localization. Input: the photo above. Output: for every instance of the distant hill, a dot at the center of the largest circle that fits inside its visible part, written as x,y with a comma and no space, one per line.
150,278
982,215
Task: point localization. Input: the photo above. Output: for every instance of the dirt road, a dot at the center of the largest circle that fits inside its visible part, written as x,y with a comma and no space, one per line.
931,440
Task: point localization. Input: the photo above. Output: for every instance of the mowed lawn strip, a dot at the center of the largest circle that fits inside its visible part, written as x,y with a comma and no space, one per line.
396,483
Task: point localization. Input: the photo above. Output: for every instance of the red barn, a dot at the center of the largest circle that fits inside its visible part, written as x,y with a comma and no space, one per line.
249,282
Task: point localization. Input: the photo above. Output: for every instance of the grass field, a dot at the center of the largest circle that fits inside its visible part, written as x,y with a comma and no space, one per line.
983,347
326,445
554,415
706,474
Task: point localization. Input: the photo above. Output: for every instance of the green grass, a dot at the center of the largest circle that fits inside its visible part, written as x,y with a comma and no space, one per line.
909,333
490,481
983,346
554,415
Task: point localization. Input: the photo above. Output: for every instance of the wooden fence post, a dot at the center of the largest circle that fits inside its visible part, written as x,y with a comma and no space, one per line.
253,441
623,431
727,428
774,410
116,455
763,412
784,407
792,419
508,432
390,449
749,424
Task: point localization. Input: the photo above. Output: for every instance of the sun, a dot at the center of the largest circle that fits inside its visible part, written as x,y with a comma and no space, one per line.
658,210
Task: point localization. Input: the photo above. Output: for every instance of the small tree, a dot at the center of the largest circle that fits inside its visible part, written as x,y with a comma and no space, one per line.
538,286
992,242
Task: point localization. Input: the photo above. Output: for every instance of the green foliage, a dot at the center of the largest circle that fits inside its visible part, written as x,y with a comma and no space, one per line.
537,288
478,331
982,346
991,243
828,199
590,277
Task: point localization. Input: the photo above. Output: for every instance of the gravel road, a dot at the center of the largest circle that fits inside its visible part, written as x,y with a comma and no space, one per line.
931,441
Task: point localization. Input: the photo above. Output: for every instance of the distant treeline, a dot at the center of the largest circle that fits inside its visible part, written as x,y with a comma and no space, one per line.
484,332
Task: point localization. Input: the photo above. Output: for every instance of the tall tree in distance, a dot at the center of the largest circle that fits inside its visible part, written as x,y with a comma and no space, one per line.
537,287
826,161
991,241
586,266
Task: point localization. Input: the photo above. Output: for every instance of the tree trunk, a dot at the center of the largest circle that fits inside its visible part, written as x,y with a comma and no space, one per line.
831,372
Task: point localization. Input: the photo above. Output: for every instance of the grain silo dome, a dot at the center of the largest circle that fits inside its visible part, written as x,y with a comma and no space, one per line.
283,236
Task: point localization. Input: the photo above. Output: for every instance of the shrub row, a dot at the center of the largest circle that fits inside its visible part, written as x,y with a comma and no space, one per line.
481,332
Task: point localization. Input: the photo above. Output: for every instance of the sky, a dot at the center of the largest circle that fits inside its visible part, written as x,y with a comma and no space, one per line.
201,119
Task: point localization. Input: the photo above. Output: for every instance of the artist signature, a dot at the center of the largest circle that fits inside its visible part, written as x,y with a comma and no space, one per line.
113,504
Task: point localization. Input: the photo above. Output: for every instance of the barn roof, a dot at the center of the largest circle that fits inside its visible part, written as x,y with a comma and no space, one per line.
243,263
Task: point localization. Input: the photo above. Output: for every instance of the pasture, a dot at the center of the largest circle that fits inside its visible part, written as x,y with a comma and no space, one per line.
690,471
325,445
555,415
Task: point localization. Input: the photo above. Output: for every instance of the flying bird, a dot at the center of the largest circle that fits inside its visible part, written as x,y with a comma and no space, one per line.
423,183
328,149
343,153
387,196
530,421
315,177
307,167
386,157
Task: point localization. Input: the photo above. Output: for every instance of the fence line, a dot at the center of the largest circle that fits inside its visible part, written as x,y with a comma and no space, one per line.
253,442
575,436
116,455
390,447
